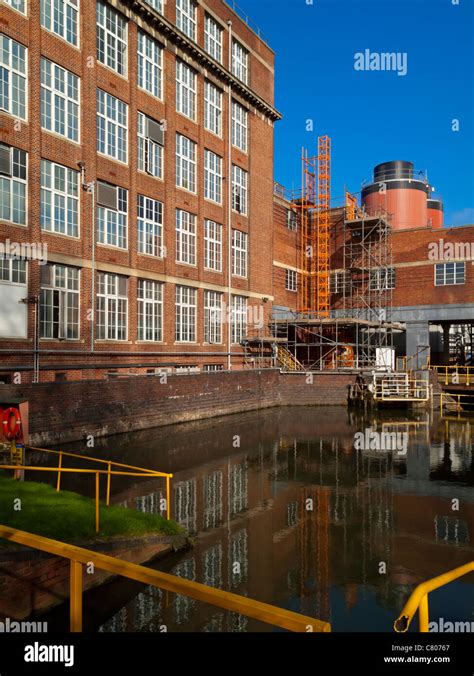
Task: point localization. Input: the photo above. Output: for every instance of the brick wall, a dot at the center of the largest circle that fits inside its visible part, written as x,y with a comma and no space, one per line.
72,410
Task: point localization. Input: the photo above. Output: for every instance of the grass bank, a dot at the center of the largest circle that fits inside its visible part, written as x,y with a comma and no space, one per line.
70,517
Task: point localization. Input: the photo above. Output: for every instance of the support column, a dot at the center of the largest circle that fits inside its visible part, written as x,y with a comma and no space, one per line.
418,337
446,330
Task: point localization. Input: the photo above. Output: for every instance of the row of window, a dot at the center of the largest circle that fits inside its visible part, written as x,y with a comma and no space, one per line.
61,17
60,195
60,306
384,279
60,97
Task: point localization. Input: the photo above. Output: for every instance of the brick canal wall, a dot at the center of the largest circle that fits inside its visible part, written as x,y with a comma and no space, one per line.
70,411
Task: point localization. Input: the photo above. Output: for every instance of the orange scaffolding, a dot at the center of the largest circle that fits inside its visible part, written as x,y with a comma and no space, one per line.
315,204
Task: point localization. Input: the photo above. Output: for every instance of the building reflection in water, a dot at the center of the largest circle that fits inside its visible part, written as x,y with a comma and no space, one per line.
300,519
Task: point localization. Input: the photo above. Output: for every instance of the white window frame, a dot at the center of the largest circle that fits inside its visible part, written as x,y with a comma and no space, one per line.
240,126
291,220
66,200
186,83
49,20
156,5
150,155
113,43
113,128
150,65
458,274
213,317
64,290
111,304
213,108
186,163
18,5
186,17
240,62
291,281
213,32
61,103
150,226
239,190
212,177
17,271
239,319
186,241
150,311
15,74
239,254
186,314
212,245
16,186
382,279
112,225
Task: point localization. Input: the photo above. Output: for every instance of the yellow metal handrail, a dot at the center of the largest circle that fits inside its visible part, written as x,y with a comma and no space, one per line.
458,399
418,601
79,557
97,473
455,375
406,389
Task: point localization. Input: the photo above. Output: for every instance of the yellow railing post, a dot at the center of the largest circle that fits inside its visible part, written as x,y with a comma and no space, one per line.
108,483
424,615
97,514
168,501
60,464
446,382
75,598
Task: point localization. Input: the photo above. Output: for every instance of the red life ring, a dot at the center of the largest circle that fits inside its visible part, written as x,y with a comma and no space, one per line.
11,423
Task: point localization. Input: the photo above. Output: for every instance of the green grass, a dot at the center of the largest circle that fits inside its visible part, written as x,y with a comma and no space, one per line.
70,517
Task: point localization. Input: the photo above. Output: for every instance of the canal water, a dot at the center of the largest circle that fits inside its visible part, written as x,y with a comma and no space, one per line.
288,506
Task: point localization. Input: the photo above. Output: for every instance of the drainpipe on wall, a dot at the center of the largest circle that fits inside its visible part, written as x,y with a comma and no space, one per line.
229,212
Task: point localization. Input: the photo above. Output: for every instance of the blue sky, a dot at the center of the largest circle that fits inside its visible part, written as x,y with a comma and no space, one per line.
374,117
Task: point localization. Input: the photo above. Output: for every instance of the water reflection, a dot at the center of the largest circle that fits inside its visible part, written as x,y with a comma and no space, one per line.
296,517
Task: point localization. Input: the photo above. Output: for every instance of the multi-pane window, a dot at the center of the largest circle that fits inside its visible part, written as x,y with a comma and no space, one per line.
212,246
213,38
112,121
149,151
150,65
59,100
59,302
239,126
185,90
212,177
12,271
59,199
239,190
156,4
13,73
185,163
449,274
339,281
111,38
185,314
213,317
186,12
291,220
212,108
291,280
150,226
239,319
61,17
150,311
382,279
13,192
185,237
112,222
240,62
20,5
239,253
112,307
